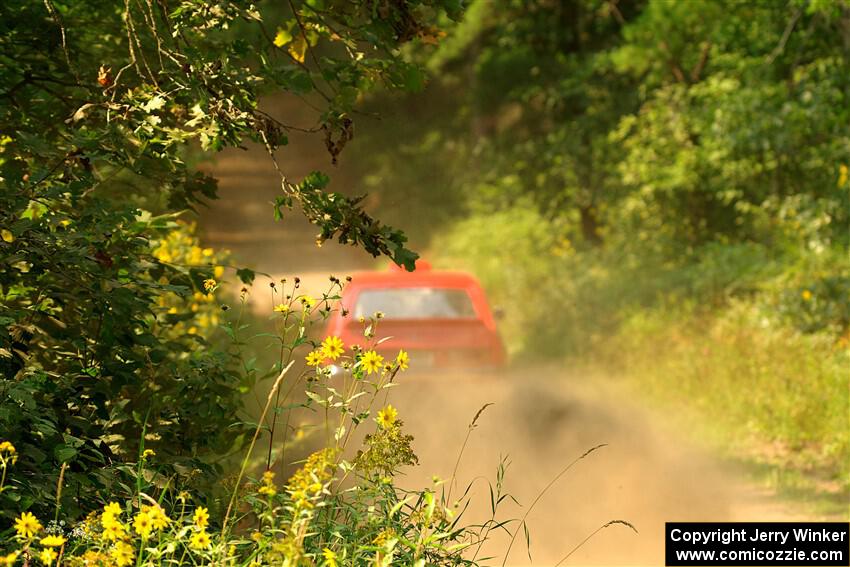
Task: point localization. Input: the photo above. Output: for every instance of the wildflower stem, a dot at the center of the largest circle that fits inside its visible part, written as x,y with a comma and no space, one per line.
277,405
250,450
286,396
141,458
58,491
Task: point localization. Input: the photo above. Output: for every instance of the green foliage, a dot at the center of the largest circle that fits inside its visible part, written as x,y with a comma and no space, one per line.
99,345
813,296
631,154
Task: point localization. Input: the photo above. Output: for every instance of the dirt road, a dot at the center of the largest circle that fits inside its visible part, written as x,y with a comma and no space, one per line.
542,418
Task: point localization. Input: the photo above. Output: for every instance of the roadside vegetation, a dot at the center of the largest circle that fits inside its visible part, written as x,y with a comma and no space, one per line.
340,506
656,192
125,436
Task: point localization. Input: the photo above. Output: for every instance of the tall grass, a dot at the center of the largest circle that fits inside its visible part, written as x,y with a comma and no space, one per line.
768,390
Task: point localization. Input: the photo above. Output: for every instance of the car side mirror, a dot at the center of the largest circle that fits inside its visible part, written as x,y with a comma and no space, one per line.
498,313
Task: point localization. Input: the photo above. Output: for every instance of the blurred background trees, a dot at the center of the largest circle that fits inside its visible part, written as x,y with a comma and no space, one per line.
658,187
699,142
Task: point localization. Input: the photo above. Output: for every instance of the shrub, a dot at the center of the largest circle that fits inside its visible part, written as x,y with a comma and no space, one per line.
96,356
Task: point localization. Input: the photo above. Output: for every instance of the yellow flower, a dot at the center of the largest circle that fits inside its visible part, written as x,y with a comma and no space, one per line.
330,557
371,361
268,487
8,454
200,540
307,301
159,519
47,556
332,347
9,560
842,178
27,525
53,541
113,530
257,536
112,509
122,554
402,360
387,416
201,517
209,285
218,271
7,236
281,308
148,453
807,295
143,525
314,358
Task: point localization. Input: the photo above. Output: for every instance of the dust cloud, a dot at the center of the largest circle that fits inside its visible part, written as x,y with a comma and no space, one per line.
542,419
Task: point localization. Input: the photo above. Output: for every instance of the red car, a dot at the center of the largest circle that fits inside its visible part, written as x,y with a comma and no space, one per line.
441,319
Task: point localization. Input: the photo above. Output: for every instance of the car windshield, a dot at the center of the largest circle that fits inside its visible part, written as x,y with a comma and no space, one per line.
415,303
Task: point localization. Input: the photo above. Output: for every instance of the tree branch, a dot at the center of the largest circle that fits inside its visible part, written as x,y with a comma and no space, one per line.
780,47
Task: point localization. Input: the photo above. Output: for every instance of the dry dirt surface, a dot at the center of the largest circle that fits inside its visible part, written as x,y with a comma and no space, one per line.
542,418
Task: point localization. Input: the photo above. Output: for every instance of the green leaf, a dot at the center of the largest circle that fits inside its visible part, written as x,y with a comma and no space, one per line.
405,258
282,37
246,275
64,453
412,78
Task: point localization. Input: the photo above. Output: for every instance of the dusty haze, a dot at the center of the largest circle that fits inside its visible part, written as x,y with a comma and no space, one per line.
542,417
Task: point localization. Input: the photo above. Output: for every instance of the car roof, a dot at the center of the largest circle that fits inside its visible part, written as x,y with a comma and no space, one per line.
426,278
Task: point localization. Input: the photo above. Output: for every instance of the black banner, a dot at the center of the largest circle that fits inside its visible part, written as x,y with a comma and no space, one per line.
757,543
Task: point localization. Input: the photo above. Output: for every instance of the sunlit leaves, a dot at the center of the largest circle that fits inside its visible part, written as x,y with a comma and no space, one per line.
282,37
